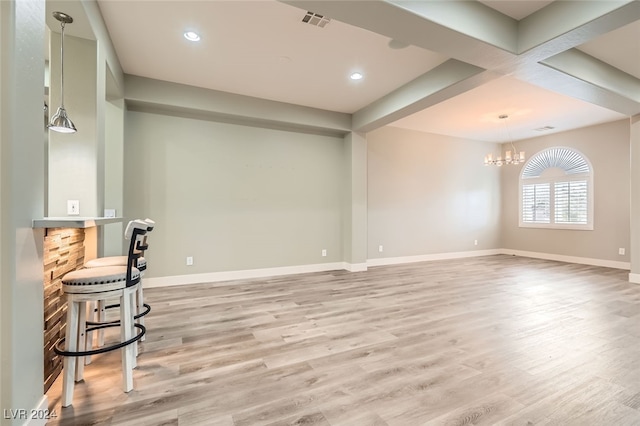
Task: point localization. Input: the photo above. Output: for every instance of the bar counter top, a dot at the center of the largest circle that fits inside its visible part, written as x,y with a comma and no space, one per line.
74,222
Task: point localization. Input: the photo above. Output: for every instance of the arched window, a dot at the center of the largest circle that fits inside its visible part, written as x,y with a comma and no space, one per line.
556,190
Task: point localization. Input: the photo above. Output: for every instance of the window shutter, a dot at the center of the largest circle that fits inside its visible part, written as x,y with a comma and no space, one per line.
567,159
536,203
557,190
571,202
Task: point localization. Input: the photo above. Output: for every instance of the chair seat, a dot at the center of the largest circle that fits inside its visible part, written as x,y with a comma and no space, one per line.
101,279
114,261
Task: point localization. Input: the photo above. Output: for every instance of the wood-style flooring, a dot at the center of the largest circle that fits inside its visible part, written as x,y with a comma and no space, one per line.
489,340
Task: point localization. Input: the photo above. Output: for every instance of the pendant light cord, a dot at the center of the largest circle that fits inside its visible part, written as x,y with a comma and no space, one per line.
62,66
506,125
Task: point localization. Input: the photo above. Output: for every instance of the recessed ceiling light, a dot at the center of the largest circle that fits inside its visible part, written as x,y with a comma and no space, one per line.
356,76
191,36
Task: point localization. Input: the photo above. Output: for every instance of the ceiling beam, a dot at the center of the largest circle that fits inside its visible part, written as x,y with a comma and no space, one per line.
471,19
445,81
557,81
580,65
145,94
562,25
409,22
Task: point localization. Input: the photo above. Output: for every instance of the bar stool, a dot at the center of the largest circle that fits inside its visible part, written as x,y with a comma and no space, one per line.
141,308
87,285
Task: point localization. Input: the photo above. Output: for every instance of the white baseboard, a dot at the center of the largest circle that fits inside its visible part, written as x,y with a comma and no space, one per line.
430,257
355,267
40,414
569,259
211,277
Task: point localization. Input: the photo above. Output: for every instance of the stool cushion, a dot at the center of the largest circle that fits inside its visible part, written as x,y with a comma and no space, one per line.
115,261
107,261
94,280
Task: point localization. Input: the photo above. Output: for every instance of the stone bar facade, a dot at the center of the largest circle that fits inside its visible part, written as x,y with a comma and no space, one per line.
64,251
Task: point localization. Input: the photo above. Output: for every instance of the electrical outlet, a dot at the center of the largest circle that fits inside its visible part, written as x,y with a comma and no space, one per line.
73,207
380,249
189,260
621,251
475,242
324,252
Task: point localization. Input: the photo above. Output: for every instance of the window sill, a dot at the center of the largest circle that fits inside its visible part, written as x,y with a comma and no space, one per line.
581,227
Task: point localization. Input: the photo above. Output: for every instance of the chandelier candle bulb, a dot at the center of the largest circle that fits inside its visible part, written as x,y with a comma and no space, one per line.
507,156
521,155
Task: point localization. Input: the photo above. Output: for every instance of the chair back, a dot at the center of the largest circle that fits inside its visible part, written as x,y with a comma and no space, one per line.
135,232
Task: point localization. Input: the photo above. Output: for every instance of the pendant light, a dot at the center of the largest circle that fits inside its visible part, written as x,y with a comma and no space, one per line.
61,122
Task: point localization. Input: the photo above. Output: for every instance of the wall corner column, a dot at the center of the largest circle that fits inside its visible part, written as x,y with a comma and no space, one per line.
634,275
22,37
354,239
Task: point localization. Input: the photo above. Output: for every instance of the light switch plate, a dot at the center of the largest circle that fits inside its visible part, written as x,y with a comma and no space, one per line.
73,207
109,212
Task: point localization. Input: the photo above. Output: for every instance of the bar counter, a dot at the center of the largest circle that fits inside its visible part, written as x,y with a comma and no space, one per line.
68,243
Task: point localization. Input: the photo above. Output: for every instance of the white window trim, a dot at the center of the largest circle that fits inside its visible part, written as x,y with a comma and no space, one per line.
571,177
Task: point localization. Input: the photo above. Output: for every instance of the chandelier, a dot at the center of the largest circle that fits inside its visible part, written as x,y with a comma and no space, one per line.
510,157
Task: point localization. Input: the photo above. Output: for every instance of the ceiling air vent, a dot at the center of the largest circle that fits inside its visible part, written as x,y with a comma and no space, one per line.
544,129
315,19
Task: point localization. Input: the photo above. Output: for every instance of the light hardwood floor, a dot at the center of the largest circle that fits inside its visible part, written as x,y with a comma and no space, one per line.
489,340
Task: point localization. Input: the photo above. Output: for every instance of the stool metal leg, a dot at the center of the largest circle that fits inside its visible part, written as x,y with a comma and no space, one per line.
69,362
139,305
102,315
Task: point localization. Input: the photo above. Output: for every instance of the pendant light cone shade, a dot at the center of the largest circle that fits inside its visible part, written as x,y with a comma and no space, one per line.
61,122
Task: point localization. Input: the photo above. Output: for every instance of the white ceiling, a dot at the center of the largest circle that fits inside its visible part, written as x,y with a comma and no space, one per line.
529,108
260,49
620,48
263,49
